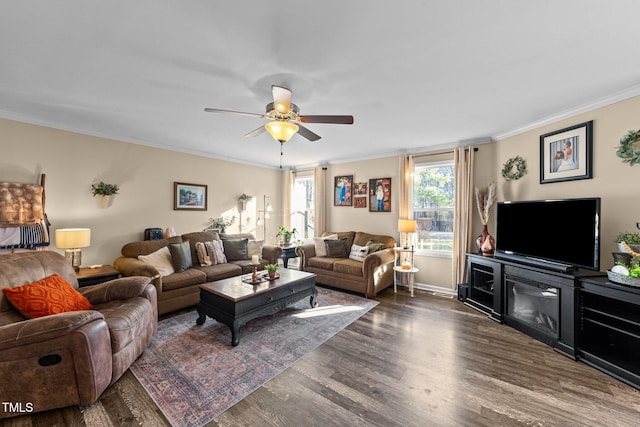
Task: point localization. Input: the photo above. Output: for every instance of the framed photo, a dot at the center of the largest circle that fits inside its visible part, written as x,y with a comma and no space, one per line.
360,201
567,154
343,190
380,195
189,197
360,189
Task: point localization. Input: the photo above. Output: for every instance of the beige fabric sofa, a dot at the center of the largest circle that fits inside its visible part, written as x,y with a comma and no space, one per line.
369,277
182,289
69,358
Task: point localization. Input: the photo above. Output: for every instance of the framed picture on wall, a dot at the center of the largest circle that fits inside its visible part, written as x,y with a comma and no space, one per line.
380,195
359,201
343,190
360,189
189,197
566,154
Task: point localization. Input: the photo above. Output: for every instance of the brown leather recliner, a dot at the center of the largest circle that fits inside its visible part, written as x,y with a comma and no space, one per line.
69,358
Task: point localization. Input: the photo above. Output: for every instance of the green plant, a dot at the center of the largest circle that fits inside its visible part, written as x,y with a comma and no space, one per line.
271,267
283,232
245,198
628,238
222,222
104,189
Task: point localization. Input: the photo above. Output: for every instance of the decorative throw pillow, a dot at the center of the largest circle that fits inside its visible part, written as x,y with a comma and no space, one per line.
336,248
215,250
236,249
374,247
51,295
161,260
321,249
180,256
254,247
203,257
358,252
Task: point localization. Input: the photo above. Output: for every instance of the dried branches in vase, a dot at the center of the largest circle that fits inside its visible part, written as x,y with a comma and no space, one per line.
485,198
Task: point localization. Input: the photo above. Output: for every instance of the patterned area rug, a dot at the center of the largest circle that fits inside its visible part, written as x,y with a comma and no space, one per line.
194,374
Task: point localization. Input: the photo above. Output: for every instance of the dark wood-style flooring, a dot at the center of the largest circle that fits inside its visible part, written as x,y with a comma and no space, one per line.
423,361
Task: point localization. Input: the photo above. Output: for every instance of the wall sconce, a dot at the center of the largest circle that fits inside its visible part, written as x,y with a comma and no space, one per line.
263,216
406,226
72,239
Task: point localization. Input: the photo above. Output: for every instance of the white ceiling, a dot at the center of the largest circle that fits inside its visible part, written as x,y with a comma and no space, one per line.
414,74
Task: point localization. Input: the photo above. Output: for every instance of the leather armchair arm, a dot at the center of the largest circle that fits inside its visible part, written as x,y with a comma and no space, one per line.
134,267
304,252
45,328
271,253
117,289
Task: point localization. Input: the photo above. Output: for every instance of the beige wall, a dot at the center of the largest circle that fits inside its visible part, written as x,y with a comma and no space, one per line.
146,175
72,162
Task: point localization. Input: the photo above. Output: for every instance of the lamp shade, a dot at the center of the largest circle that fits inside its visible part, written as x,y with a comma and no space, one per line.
407,225
71,238
281,131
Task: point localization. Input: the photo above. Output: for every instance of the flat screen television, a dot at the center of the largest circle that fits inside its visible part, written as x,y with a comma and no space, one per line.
559,234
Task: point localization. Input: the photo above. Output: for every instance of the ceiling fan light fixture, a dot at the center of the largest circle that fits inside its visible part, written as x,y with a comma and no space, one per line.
281,131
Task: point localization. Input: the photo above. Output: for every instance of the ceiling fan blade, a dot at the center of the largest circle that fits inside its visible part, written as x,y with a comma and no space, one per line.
340,120
281,99
256,132
217,110
303,131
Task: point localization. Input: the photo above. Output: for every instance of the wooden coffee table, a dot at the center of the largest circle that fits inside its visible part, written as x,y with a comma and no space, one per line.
234,302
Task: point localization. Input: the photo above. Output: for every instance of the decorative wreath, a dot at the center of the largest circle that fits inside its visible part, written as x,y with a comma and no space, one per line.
508,171
628,151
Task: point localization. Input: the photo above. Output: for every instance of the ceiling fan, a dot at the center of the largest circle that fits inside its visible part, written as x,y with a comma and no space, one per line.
285,119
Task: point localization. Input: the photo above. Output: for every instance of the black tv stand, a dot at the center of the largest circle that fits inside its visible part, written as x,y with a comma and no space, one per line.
537,262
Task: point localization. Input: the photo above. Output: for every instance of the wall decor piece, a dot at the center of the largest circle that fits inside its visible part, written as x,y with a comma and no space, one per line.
189,197
380,195
566,154
514,168
343,190
629,149
360,189
360,201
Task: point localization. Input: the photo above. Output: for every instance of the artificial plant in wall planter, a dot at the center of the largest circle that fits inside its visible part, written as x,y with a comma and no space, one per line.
104,193
243,199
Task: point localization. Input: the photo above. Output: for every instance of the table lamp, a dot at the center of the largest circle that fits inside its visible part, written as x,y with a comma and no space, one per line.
406,226
72,239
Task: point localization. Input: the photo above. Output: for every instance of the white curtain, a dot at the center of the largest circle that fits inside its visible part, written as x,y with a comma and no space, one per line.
406,187
463,163
288,181
319,184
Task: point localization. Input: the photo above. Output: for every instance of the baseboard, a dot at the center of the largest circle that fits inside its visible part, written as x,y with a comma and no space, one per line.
434,289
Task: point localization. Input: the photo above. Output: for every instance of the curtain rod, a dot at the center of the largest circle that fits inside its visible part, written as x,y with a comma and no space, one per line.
437,153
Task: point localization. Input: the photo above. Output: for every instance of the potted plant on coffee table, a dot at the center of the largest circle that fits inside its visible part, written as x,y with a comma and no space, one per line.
271,269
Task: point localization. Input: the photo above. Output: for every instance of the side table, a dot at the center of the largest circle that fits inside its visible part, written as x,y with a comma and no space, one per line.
288,252
407,269
92,276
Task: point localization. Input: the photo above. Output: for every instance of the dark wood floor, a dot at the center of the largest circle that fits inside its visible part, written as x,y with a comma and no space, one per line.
423,361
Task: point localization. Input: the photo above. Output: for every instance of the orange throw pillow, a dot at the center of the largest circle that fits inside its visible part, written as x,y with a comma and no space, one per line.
50,295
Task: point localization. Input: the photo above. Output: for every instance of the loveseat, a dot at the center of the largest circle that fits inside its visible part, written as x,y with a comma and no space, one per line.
180,287
354,261
66,358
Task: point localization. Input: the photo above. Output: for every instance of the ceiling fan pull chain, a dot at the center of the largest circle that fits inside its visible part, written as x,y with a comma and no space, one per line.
281,144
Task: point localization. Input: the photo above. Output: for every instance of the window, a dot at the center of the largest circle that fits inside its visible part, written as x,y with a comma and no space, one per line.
302,203
433,206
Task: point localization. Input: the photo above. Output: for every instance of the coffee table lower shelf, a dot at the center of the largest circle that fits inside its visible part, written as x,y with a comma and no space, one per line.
234,303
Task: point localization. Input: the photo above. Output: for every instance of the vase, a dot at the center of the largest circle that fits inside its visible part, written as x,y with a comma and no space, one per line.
486,243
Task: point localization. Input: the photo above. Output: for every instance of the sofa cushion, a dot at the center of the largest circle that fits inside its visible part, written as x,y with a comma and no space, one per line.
321,262
160,259
189,277
47,296
254,247
358,253
236,249
337,248
348,266
198,236
203,258
349,235
216,251
321,249
220,271
180,256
